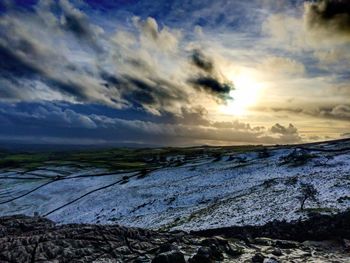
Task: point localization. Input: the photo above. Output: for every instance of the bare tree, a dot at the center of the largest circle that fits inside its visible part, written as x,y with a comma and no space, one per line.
308,191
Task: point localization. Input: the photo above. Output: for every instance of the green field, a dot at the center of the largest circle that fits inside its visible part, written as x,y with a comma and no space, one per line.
114,159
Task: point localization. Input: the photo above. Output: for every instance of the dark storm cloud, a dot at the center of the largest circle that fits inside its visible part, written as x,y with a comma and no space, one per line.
341,112
12,65
201,61
335,112
143,94
288,134
212,85
156,91
332,15
69,87
23,59
110,80
280,129
161,66
61,121
77,22
44,48
140,91
237,126
209,79
189,116
44,114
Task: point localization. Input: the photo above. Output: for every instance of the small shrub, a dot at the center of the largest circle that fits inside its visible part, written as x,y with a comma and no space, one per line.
217,157
143,173
343,199
238,159
292,180
264,153
296,158
308,192
269,183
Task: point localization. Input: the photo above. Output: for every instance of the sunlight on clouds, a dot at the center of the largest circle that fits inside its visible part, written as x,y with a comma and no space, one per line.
245,95
288,62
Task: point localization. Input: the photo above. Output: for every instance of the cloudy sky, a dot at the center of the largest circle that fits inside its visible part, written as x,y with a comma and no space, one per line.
174,72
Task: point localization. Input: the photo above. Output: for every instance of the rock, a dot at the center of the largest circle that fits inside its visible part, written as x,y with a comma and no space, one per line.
234,250
216,252
346,243
168,247
204,255
277,252
143,259
258,258
306,254
36,239
287,244
270,260
204,251
170,257
216,245
263,241
216,241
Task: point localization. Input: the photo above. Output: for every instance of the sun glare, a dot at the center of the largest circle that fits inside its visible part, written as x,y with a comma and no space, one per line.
243,96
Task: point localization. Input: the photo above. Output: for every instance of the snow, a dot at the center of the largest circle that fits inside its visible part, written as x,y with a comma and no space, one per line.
198,195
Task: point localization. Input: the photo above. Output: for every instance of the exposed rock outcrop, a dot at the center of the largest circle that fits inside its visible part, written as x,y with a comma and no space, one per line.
35,239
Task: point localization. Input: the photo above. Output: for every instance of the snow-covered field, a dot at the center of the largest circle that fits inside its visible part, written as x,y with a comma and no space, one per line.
238,189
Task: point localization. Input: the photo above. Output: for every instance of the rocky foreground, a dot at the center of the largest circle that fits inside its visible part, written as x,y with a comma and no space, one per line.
322,238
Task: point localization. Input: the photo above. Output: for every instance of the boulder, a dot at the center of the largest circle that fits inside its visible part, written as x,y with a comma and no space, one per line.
270,260
203,255
287,244
168,247
258,258
234,250
277,252
169,257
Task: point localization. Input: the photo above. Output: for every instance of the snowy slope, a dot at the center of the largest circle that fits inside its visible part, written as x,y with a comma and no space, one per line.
238,189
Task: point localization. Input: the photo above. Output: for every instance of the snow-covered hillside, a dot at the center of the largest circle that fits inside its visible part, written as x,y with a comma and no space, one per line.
232,189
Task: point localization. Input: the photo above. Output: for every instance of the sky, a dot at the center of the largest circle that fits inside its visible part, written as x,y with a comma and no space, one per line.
174,72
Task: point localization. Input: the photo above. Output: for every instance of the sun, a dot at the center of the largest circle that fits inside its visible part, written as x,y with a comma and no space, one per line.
244,95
